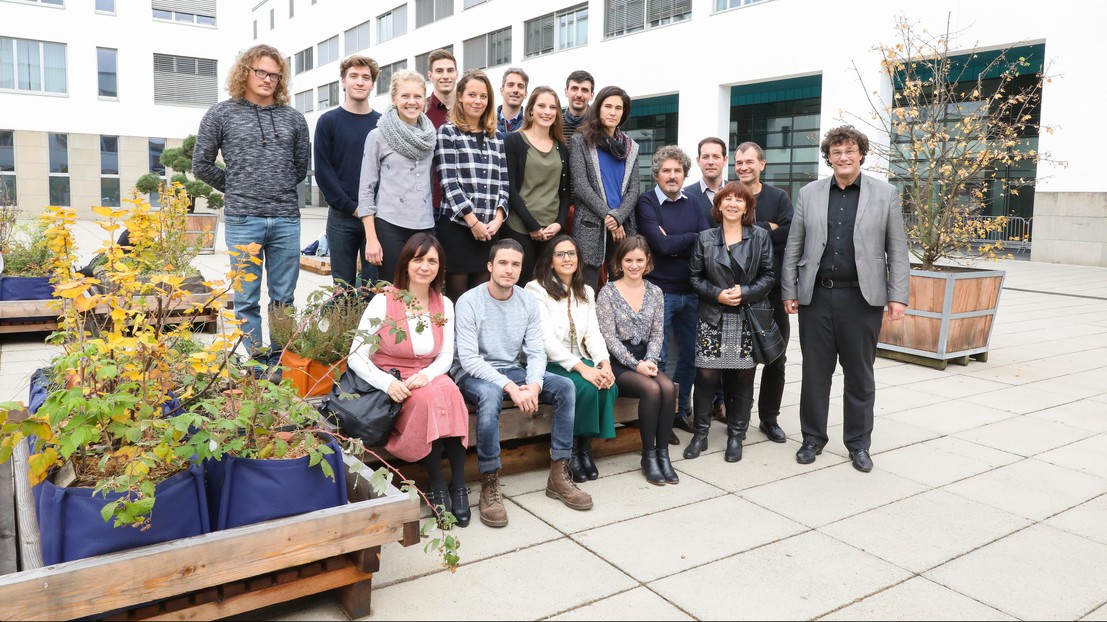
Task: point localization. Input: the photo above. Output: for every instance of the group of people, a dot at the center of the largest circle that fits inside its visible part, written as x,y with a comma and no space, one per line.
466,206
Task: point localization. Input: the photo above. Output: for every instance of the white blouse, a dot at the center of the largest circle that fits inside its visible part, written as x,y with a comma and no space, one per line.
422,342
589,342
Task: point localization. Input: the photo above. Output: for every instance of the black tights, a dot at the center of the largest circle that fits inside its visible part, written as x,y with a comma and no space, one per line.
737,387
455,453
656,405
457,283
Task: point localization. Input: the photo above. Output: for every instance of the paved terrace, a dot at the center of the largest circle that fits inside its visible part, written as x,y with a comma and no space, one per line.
988,500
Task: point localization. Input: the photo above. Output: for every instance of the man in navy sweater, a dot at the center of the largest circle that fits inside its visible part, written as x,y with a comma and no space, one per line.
671,221
339,145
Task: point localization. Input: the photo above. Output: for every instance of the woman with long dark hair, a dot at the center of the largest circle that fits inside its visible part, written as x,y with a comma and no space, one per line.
433,418
538,171
603,164
472,169
575,348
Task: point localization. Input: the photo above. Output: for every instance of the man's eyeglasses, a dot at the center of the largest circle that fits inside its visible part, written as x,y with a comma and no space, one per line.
263,74
564,254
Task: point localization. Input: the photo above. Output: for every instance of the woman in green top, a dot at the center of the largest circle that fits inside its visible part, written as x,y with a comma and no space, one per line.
538,178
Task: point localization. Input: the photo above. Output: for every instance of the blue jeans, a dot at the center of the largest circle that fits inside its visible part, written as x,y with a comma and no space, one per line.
280,253
681,314
489,400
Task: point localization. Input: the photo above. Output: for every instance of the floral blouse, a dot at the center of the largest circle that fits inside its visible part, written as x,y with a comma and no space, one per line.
620,325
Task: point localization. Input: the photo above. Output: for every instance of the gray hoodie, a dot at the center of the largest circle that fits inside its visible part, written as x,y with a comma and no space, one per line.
266,150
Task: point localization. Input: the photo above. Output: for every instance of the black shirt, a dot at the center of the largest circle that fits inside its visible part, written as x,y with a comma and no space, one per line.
839,261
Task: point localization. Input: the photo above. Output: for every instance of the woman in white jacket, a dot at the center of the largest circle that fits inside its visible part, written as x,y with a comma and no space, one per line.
575,348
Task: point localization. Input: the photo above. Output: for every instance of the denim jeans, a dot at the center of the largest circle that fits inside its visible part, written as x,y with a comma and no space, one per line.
489,400
346,237
681,315
280,253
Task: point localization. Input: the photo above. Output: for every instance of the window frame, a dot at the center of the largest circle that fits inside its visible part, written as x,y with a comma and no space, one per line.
59,176
8,177
357,31
100,73
554,20
384,78
326,60
18,52
392,20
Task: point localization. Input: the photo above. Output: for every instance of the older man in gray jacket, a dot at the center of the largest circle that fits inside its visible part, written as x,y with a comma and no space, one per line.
845,260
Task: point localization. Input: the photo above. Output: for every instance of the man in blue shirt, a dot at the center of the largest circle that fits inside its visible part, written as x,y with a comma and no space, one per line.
513,89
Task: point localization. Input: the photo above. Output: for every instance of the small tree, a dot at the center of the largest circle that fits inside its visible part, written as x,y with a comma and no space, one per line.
949,129
180,159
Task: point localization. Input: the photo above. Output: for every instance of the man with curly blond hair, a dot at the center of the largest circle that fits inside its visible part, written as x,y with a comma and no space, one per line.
265,147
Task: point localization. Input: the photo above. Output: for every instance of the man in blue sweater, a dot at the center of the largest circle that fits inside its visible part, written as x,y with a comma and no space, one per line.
339,145
671,221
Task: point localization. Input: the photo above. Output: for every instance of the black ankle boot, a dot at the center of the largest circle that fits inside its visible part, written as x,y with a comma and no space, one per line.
459,499
586,464
666,466
576,469
702,423
737,422
437,498
651,469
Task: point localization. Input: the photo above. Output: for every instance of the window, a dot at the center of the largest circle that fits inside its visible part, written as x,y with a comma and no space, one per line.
272,19
185,81
472,3
626,16
255,30
328,51
422,61
488,50
185,11
385,78
357,38
328,95
105,6
36,66
302,101
392,24
556,31
53,2
291,9
304,60
722,5
156,148
59,169
7,168
109,171
106,72
428,11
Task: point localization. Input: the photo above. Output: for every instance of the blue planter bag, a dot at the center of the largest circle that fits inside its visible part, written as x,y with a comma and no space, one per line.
71,527
26,288
243,491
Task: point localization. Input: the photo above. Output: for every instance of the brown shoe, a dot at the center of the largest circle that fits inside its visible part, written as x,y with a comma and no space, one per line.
492,511
560,485
719,411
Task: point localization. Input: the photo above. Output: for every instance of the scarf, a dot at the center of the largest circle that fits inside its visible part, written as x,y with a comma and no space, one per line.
414,142
617,145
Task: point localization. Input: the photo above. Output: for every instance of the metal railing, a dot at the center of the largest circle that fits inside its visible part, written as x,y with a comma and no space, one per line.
1016,233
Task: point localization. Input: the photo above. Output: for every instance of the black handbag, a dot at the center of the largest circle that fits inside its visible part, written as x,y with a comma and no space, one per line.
368,415
767,343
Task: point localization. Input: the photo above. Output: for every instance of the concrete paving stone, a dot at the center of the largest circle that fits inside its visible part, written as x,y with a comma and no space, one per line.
1039,573
939,525
917,599
478,542
1076,385
529,481
317,607
1031,488
1086,519
956,386
794,579
831,494
943,460
1086,414
898,399
761,463
1025,436
528,584
1099,615
703,536
637,604
904,374
28,360
1023,399
949,416
616,498
888,434
1018,373
1088,455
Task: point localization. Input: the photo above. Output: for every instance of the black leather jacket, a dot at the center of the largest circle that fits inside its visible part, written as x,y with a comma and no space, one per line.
712,273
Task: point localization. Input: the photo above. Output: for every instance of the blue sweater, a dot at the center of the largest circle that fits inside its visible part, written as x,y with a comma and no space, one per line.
682,221
339,145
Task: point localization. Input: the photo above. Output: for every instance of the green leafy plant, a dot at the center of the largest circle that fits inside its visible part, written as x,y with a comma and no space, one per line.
323,330
180,159
25,251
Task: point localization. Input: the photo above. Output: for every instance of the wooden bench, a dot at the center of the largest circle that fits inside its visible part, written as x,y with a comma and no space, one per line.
318,265
21,316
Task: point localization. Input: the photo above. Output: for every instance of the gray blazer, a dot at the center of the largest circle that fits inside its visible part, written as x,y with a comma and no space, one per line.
879,241
590,201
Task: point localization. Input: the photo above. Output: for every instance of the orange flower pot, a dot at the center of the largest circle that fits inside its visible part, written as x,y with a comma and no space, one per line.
310,377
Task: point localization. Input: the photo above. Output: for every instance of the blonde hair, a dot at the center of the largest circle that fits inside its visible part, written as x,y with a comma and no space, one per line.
404,75
243,65
488,118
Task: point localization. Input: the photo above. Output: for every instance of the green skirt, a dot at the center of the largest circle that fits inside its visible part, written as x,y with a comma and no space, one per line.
595,413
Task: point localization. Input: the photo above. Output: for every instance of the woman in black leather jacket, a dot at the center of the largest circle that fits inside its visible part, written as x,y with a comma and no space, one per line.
732,265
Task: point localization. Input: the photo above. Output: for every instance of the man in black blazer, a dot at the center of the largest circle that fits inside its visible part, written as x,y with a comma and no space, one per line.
845,259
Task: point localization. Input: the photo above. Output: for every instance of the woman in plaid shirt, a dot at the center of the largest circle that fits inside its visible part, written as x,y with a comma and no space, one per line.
472,168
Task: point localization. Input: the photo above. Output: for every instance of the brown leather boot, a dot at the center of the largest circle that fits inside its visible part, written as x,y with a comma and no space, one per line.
492,510
560,486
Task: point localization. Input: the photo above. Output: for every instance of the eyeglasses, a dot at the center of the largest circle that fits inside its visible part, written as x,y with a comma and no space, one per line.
263,74
851,153
564,254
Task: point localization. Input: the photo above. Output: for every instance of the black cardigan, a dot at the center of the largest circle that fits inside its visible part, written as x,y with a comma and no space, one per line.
712,272
515,147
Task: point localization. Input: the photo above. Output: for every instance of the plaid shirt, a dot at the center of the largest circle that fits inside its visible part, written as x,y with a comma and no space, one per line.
473,173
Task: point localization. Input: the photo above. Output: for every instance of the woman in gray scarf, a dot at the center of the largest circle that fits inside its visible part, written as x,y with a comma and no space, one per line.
395,198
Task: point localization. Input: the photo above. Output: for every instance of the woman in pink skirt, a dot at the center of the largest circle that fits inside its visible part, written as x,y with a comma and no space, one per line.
433,418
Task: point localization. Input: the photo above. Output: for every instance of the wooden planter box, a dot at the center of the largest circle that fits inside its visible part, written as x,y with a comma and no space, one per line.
219,574
39,315
950,315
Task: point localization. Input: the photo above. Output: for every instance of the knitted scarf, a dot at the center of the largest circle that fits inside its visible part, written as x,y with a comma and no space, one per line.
414,142
617,145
